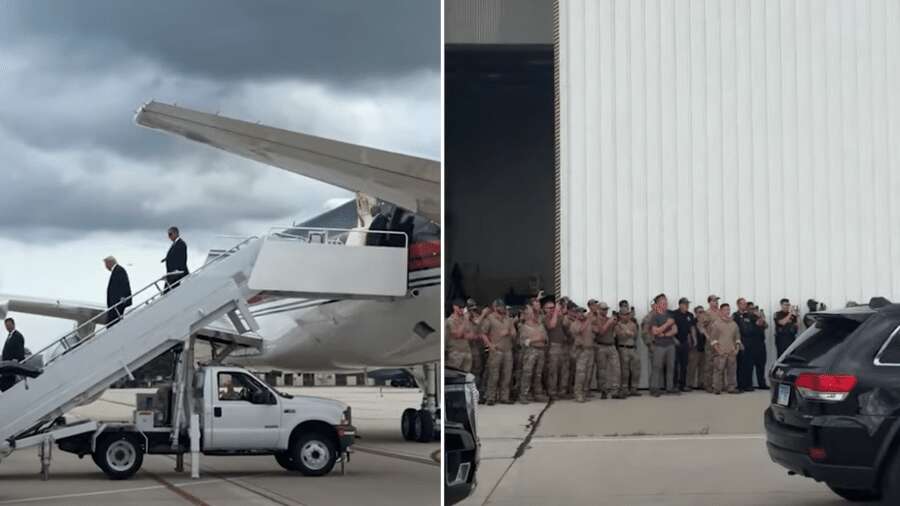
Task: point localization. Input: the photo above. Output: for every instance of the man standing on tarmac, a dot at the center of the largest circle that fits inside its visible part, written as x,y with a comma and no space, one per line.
584,353
458,333
663,330
748,324
703,322
629,360
609,372
500,331
785,326
725,343
687,341
476,346
696,369
558,355
533,338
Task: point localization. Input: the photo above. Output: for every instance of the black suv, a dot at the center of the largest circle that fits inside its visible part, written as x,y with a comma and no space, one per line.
461,446
836,402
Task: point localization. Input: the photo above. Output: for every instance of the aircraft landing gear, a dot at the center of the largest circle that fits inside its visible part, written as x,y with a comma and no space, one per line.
423,425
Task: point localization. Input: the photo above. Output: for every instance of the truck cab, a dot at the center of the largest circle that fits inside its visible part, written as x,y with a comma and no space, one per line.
239,415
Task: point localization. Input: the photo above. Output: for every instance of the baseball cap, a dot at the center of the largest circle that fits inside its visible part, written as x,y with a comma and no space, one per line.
624,303
471,302
579,309
683,300
712,298
604,305
591,302
499,303
458,303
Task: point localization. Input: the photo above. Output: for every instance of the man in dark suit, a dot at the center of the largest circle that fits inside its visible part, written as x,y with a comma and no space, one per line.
118,291
176,259
13,349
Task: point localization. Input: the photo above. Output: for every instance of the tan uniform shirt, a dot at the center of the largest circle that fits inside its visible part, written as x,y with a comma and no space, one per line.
608,337
556,334
626,332
582,333
704,320
500,330
725,333
456,330
534,334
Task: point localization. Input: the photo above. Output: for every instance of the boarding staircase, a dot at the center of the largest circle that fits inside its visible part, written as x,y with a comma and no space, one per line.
296,263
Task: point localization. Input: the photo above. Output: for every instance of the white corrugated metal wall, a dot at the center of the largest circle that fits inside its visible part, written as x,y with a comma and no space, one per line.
743,147
738,147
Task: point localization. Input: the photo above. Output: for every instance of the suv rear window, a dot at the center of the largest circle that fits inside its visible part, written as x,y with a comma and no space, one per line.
816,344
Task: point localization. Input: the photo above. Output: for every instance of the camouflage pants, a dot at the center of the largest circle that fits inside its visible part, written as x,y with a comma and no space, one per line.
478,365
725,372
557,369
609,370
532,378
499,375
461,360
696,369
708,369
630,363
583,359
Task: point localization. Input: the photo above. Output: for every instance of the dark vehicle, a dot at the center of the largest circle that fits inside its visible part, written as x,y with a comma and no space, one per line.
836,401
461,446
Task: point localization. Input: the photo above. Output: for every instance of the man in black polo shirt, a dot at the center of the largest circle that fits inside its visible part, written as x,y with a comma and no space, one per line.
751,328
687,340
785,326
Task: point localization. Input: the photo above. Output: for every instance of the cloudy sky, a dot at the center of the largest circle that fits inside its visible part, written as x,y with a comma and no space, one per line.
81,181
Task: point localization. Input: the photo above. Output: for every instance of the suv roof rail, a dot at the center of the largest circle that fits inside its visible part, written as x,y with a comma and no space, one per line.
877,302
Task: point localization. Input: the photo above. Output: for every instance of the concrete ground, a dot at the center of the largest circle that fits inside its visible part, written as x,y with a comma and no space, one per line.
385,470
693,449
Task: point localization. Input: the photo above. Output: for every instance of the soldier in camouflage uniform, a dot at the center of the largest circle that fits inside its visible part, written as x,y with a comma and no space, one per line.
609,372
584,353
500,332
626,342
533,338
458,333
703,323
725,341
477,346
558,354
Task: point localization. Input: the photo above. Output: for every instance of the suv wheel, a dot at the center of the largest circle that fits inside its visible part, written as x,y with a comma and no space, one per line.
856,495
314,454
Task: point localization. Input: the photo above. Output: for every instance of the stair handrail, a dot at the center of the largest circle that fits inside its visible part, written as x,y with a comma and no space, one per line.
294,233
64,340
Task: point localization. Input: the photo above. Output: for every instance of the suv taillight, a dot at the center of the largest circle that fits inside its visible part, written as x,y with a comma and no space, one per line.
825,387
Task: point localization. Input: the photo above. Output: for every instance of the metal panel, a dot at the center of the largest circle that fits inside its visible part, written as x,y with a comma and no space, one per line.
741,147
329,270
498,22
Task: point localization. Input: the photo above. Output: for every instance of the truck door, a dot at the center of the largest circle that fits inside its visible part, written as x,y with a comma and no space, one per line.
246,414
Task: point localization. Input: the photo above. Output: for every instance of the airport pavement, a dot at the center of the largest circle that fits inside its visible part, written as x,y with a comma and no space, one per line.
385,470
687,450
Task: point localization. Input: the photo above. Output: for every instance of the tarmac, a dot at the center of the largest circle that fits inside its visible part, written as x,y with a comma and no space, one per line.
384,470
695,449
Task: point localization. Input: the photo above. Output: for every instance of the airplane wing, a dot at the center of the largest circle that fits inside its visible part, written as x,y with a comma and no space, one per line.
68,310
407,181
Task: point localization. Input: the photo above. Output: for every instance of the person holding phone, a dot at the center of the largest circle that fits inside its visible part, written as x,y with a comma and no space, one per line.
786,326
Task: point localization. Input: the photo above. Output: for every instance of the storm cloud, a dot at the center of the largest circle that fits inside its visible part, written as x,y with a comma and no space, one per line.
79,180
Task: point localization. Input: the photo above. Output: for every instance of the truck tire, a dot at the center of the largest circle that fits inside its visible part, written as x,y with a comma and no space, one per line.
314,454
286,461
406,424
854,495
119,455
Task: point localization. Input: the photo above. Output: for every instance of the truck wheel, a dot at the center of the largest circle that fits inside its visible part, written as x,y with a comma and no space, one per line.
854,495
407,422
119,455
423,428
314,454
286,461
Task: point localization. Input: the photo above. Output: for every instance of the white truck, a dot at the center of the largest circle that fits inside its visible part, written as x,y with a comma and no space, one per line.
238,415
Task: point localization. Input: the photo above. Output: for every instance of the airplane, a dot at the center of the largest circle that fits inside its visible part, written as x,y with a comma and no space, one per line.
330,334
